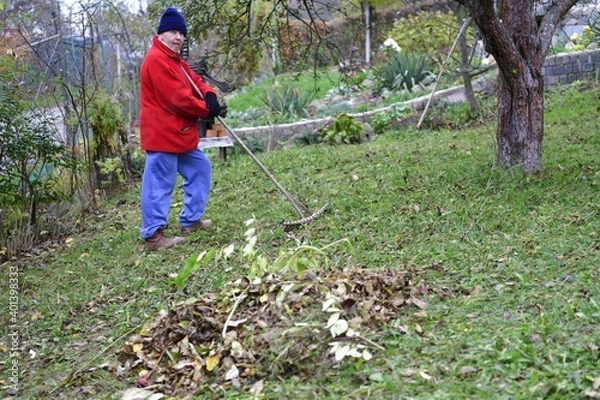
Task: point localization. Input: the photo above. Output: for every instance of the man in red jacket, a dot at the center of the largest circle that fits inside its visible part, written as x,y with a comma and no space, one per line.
169,114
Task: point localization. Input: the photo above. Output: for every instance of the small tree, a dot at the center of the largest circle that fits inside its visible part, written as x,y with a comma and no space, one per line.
30,158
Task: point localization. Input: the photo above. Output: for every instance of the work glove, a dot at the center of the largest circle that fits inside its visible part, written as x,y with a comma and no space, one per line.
213,105
223,112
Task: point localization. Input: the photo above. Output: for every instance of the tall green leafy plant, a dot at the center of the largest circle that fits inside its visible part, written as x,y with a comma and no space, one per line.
345,129
403,71
286,100
110,153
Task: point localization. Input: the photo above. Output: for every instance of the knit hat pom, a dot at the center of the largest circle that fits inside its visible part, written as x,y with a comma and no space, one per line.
172,20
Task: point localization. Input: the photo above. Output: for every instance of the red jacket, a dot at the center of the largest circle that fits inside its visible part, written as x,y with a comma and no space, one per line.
170,108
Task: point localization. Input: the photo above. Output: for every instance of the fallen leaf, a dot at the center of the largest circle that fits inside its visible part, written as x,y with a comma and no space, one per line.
233,373
596,383
425,375
467,370
418,328
376,377
36,315
257,388
592,394
419,303
341,352
339,327
212,361
141,394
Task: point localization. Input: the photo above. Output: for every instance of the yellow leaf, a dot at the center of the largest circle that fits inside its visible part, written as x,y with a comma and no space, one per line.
137,347
145,331
212,361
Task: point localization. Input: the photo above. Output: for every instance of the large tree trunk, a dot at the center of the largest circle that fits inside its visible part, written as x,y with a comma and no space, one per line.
520,128
519,43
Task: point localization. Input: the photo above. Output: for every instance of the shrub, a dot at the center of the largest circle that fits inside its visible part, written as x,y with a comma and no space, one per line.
343,130
428,32
286,100
32,164
110,154
383,120
403,71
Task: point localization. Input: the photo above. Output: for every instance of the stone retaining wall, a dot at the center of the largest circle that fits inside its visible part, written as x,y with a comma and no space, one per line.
570,67
558,69
279,135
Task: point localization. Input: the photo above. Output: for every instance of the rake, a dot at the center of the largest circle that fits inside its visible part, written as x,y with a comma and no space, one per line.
304,213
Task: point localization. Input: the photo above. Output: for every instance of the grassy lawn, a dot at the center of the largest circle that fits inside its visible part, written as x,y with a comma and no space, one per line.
507,267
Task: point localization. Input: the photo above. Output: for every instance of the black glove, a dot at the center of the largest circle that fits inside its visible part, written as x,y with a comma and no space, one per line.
213,105
223,112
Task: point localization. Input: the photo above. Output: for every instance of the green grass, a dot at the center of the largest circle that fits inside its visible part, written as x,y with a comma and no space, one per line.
318,82
511,263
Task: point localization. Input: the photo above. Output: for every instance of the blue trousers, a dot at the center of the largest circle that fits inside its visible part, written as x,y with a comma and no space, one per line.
158,183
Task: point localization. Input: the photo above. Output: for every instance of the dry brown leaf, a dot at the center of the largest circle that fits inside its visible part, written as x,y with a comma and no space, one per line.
467,370
289,332
419,303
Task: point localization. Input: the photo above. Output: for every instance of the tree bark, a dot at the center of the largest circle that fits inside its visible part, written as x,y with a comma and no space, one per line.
520,130
465,70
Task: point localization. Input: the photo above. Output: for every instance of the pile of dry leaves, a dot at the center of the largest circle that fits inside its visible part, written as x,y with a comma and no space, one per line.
269,327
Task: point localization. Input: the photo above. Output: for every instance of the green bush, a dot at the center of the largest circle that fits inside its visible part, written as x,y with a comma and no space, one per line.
286,100
383,120
428,32
30,159
403,71
110,156
343,130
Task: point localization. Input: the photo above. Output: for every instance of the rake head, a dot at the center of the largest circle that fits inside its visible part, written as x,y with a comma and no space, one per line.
306,220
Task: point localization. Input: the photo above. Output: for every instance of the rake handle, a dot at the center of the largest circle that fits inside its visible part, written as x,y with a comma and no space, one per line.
300,208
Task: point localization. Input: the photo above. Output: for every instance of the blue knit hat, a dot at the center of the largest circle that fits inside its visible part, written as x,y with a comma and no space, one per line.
172,20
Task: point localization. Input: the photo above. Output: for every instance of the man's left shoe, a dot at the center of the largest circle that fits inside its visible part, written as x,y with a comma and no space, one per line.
205,225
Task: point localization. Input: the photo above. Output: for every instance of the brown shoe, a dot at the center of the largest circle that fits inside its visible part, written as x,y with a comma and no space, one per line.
206,224
160,241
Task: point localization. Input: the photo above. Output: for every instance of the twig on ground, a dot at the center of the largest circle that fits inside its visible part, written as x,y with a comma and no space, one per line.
241,297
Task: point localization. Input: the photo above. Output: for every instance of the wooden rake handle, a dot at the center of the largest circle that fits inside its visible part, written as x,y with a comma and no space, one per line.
300,208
